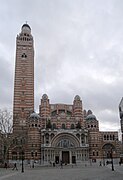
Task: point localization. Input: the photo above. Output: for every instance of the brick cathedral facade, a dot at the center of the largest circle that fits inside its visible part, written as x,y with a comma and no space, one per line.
59,131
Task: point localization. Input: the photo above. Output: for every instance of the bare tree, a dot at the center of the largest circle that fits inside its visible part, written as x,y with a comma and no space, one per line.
6,132
6,121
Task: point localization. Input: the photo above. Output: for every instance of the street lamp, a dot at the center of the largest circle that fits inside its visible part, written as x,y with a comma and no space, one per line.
22,170
112,163
104,158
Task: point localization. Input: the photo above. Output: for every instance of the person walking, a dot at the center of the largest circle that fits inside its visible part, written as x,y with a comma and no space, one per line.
61,163
15,167
5,166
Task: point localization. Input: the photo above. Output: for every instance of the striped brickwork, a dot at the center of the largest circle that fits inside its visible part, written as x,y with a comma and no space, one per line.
24,78
59,130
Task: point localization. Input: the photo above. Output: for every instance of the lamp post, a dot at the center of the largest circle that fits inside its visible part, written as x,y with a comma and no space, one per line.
112,163
22,148
22,170
104,158
22,155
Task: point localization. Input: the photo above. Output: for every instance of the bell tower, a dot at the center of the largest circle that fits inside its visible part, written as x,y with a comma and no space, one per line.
23,103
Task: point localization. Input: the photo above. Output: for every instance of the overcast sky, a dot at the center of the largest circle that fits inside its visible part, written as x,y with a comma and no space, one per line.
78,50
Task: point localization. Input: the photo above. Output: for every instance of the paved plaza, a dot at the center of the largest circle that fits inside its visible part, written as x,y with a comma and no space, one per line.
93,172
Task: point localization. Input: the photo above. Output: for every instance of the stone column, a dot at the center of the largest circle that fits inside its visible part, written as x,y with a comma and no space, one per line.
60,155
44,154
85,139
70,155
50,154
80,139
76,156
47,155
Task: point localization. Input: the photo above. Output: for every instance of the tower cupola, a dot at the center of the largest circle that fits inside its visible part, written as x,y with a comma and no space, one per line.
26,29
77,106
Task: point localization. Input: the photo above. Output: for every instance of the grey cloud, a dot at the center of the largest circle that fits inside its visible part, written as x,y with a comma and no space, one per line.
6,83
78,50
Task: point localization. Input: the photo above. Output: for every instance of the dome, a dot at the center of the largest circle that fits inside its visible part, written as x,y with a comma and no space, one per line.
44,97
34,115
77,98
26,25
91,117
26,29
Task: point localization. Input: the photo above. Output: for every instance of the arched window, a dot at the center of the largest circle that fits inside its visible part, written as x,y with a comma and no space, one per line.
113,137
72,126
93,153
83,138
47,136
110,137
24,55
35,125
54,126
63,126
54,113
65,143
104,137
61,111
69,113
52,135
107,137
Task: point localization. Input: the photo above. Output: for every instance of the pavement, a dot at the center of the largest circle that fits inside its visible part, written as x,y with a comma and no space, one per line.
68,172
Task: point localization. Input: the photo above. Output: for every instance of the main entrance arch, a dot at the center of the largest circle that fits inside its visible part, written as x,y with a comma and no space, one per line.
64,146
65,140
65,143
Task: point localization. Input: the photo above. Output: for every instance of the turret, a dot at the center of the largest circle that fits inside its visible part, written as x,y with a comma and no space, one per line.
77,107
44,108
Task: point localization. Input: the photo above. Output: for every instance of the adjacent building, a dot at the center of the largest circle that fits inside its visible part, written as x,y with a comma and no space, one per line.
121,123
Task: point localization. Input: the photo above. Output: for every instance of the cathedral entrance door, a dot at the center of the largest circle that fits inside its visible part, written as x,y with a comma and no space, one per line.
57,159
74,159
65,157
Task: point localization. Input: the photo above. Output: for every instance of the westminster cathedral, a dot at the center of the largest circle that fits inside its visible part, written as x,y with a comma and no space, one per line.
58,132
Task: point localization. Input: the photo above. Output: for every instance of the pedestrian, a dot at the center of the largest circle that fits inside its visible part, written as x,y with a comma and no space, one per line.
5,166
61,163
15,167
120,163
53,164
100,163
33,164
50,163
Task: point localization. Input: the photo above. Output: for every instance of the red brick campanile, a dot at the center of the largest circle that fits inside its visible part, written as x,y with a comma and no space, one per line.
24,79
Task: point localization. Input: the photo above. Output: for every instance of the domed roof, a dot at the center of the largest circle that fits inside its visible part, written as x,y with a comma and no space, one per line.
34,115
91,117
44,96
26,25
77,98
